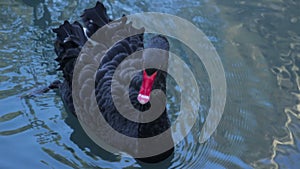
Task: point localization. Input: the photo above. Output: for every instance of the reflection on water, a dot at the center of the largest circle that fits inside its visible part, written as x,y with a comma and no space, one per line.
259,45
270,34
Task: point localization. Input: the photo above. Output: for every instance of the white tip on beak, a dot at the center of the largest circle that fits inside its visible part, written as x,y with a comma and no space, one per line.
143,99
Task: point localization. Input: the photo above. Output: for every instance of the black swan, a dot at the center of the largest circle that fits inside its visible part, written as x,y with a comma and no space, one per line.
70,40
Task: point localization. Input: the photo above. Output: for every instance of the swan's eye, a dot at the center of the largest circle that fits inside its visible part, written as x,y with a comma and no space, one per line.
150,71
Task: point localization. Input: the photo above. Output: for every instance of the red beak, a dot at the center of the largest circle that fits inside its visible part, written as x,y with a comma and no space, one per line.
146,88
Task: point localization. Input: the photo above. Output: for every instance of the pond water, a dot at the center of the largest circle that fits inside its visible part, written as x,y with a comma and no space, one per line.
259,46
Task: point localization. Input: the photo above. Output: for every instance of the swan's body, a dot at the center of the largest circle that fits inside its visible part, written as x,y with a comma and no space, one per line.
70,40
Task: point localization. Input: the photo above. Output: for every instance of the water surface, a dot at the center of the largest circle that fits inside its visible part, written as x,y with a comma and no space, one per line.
258,43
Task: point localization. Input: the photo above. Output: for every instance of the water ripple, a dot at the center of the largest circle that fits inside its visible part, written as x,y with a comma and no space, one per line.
258,43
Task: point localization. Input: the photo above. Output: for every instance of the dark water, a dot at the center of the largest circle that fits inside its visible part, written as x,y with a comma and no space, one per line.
259,45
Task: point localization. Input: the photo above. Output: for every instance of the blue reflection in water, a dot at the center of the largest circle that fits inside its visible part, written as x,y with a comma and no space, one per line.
253,42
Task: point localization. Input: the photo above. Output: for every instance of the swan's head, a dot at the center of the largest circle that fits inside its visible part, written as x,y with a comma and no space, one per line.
155,60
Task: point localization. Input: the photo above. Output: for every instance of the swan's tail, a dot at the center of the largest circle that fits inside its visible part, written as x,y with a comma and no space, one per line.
69,41
95,18
72,37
